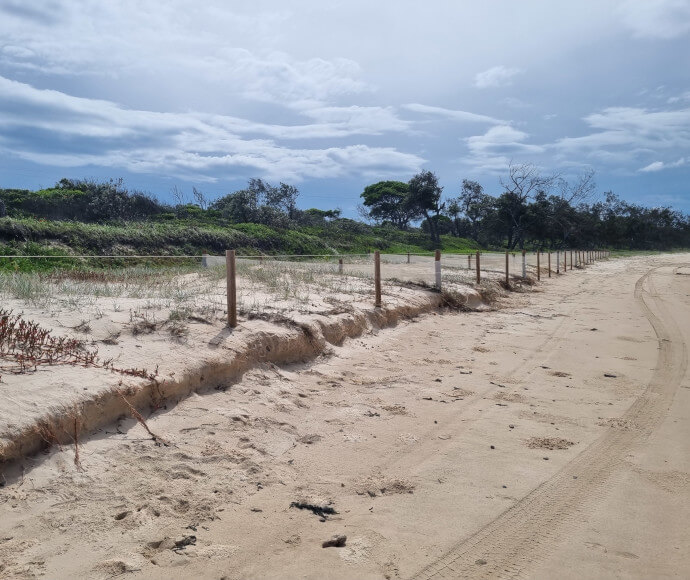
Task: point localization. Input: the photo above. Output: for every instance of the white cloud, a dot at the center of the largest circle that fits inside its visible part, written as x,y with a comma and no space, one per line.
498,76
627,134
493,151
679,98
656,166
361,120
182,46
662,19
455,115
502,138
660,165
204,145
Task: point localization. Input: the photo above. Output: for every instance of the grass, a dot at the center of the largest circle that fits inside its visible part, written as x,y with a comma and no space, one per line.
152,298
28,236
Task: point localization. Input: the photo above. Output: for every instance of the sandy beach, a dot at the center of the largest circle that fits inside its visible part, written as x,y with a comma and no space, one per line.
543,434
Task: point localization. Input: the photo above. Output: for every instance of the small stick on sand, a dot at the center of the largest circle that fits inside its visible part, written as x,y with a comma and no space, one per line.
141,420
77,461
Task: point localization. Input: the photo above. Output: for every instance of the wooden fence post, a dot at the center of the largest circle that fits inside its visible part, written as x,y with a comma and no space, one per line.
565,261
479,277
232,288
469,262
340,265
549,263
377,278
507,269
538,267
558,261
408,257
437,268
524,264
571,260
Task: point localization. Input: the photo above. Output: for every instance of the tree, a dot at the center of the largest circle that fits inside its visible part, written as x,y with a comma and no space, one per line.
200,198
579,191
387,201
473,203
260,202
239,207
453,211
317,217
283,197
424,197
524,181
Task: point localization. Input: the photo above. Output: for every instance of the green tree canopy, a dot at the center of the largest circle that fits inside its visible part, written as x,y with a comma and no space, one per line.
424,199
387,202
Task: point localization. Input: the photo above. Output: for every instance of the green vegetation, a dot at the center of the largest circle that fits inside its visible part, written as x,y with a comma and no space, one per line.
86,217
532,211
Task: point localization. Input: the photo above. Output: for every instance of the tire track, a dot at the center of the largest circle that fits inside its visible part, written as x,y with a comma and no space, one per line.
508,545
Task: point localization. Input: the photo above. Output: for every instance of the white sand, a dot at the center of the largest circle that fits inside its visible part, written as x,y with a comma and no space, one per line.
393,430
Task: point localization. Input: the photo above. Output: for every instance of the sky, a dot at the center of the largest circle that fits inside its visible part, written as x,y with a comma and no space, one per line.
333,96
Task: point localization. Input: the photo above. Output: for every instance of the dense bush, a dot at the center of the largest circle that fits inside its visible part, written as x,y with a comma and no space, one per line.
82,200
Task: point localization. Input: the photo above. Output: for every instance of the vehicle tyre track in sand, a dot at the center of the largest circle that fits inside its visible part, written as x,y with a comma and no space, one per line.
508,545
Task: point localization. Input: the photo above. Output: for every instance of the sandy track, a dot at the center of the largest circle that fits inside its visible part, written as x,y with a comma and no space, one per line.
512,542
430,441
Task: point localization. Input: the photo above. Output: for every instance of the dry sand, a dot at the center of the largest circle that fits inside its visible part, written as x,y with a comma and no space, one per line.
545,439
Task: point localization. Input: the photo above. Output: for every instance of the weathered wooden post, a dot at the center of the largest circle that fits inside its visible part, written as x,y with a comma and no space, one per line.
377,278
231,288
549,263
558,261
437,268
340,265
204,260
469,262
571,260
538,267
479,277
408,257
507,269
524,264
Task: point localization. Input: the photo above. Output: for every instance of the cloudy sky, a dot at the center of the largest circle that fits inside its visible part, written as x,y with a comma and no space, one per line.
332,96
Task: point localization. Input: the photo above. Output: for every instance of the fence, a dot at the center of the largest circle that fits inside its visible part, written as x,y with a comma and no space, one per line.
425,269
431,270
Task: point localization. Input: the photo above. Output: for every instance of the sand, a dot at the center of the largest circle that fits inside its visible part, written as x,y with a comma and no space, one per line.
546,438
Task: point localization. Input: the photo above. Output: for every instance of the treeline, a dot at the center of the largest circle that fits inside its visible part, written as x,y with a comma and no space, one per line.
92,201
92,217
532,211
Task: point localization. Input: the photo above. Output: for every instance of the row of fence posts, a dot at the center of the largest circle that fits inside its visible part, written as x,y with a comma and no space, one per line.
578,258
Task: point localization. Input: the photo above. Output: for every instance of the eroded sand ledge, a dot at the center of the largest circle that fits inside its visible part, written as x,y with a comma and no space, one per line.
225,357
